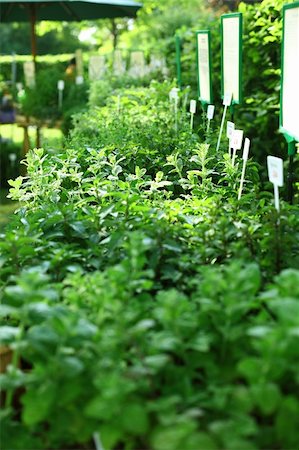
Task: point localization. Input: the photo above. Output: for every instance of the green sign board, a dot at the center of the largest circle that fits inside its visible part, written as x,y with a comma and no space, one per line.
204,76
289,94
231,56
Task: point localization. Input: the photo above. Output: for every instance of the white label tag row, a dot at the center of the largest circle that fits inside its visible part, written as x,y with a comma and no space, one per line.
210,112
192,106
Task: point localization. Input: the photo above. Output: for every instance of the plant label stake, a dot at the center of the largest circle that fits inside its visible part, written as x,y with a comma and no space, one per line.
245,158
192,112
275,172
176,102
97,441
174,97
236,143
226,102
210,115
230,126
60,87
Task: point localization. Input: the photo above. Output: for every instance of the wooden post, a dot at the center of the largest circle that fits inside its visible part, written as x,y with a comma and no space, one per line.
32,13
26,142
38,137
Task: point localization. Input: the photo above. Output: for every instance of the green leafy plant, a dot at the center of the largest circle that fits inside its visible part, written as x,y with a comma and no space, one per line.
144,305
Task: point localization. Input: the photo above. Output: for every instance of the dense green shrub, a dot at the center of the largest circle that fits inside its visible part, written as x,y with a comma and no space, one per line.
146,306
213,369
41,101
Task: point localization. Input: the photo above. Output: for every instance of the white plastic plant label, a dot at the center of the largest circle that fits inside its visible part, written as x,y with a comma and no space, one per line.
230,126
227,99
12,158
79,79
236,139
246,149
192,106
210,112
173,94
275,170
60,85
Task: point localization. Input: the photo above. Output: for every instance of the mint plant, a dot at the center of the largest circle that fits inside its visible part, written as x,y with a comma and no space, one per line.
144,305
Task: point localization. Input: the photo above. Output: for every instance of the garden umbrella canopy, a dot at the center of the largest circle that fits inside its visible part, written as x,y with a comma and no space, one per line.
68,10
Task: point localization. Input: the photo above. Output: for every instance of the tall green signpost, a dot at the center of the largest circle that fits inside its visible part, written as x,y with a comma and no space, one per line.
231,63
178,59
289,94
204,72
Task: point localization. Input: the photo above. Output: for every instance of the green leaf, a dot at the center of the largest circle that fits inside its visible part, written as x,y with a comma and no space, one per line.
71,366
78,227
110,435
250,368
199,441
173,437
267,397
134,419
286,423
156,361
37,403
